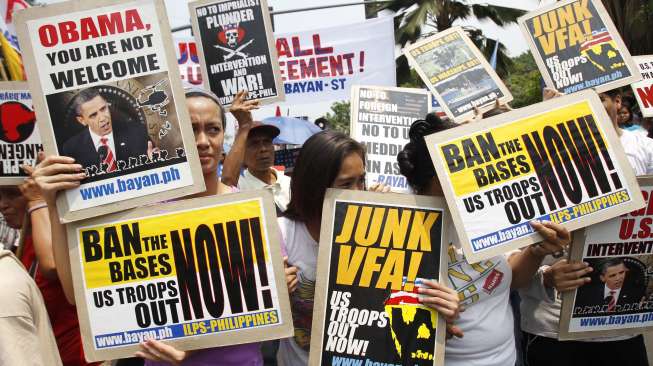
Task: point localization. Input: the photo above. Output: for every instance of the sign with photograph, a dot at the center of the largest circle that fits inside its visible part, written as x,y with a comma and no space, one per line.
375,251
380,119
559,160
457,73
236,49
577,47
106,91
619,297
644,89
20,142
198,273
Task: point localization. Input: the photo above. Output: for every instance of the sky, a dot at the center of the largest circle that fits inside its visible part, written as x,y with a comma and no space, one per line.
510,36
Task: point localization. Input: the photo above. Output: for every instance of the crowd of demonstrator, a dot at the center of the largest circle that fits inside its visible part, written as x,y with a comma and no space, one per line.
38,321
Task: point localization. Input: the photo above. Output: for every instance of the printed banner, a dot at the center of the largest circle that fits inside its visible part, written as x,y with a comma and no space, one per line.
20,142
108,95
188,60
323,64
199,273
577,47
375,249
457,73
559,161
236,49
644,89
380,119
619,298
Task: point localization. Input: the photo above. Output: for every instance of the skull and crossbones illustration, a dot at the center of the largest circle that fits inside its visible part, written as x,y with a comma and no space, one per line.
232,34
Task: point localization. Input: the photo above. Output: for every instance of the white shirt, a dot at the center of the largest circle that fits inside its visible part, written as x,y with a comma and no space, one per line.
639,151
606,293
487,322
110,142
280,189
302,251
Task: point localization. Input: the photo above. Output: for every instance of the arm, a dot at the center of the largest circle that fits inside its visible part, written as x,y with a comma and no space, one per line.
525,263
240,109
53,174
19,343
444,300
40,225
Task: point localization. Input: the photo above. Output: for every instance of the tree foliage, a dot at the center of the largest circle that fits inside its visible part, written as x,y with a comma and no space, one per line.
338,118
524,81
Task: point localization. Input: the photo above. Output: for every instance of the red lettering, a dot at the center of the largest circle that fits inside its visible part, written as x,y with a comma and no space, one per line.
297,49
646,95
292,71
323,66
283,50
307,70
68,32
133,20
48,35
110,24
336,65
88,29
317,45
349,57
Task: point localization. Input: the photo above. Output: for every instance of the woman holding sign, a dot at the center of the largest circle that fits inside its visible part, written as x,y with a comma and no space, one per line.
328,159
484,287
57,173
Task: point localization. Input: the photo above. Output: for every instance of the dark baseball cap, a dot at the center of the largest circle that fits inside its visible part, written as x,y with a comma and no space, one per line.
265,129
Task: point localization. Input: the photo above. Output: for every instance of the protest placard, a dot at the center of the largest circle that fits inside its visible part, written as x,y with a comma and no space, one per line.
106,91
323,64
375,250
198,273
188,60
20,142
577,47
559,160
619,298
236,49
380,119
457,73
644,89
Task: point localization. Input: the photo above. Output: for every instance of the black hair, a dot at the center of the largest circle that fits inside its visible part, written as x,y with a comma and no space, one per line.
612,93
610,263
82,97
317,166
414,161
223,113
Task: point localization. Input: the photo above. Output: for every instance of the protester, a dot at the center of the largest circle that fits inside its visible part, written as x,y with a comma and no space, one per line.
25,334
484,332
23,206
626,119
327,159
540,307
56,173
254,149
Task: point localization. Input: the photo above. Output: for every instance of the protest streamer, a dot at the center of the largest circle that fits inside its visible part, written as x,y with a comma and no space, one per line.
559,160
236,49
188,60
375,249
577,47
198,273
619,298
323,64
457,73
20,142
644,89
380,119
106,91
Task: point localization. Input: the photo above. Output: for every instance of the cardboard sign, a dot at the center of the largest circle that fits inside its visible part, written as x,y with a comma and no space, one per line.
20,142
644,89
559,160
236,49
106,91
577,47
380,119
619,298
375,249
199,273
457,73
